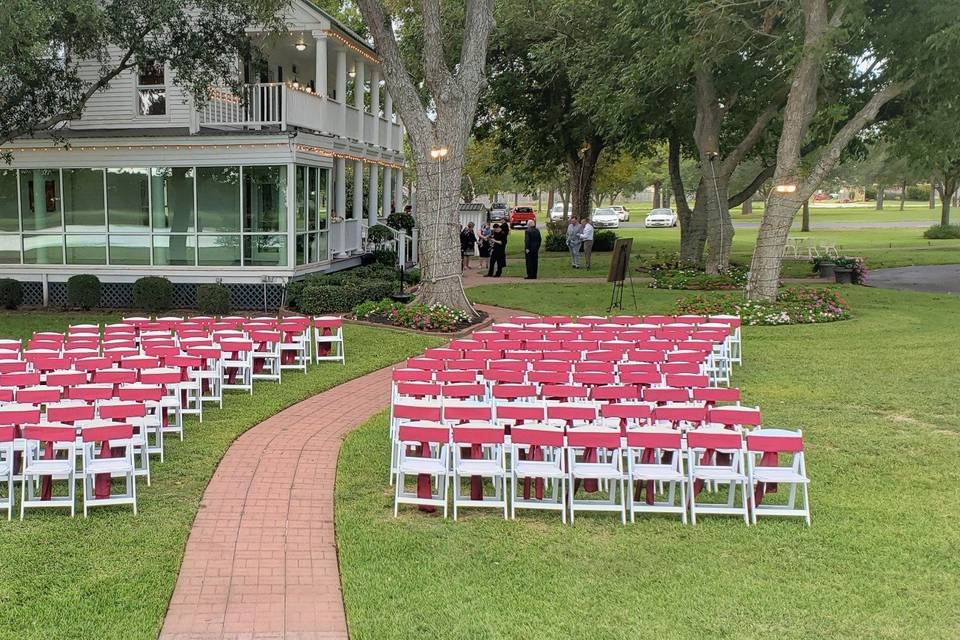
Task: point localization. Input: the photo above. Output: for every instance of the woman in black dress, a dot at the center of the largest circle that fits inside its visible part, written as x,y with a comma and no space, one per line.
468,243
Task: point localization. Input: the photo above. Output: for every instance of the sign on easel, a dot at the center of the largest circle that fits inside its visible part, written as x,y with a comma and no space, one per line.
619,271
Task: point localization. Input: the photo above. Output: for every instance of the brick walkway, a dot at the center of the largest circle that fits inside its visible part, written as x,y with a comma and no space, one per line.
261,560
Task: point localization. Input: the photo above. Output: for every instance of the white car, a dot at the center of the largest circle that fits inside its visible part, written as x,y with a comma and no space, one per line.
556,214
622,213
661,218
605,218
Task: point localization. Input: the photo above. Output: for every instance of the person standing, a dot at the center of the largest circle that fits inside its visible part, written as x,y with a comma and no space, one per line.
586,235
485,240
531,248
573,242
498,250
468,243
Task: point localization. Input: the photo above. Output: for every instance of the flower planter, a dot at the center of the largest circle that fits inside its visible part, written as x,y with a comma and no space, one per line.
843,275
826,270
401,297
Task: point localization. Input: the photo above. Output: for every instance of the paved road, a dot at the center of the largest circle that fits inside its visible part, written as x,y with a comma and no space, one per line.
823,226
939,278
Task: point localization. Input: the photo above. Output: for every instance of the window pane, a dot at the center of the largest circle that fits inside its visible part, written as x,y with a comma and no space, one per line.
218,198
265,251
174,250
301,198
128,207
47,249
150,73
130,249
40,200
302,241
9,249
86,249
83,200
318,247
152,102
265,198
218,251
9,218
171,193
312,191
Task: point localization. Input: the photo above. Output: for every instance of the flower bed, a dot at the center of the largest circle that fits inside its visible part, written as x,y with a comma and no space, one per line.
686,278
793,306
422,317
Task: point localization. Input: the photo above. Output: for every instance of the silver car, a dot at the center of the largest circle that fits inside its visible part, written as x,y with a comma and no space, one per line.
661,218
605,218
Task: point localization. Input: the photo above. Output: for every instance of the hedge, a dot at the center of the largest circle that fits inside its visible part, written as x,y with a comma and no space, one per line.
318,297
153,293
83,291
11,293
213,299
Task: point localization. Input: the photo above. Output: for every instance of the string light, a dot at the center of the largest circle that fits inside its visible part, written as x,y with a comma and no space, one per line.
346,156
347,43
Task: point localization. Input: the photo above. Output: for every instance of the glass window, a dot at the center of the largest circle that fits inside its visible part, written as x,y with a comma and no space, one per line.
171,195
9,249
86,249
218,251
265,251
301,198
302,240
317,196
265,198
43,249
40,200
348,178
318,247
128,204
133,249
174,250
218,198
9,217
151,89
83,201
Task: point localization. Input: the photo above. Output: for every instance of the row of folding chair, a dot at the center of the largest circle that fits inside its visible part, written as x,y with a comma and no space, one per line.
627,471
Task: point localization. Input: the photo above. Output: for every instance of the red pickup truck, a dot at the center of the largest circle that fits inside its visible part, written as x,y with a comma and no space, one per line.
520,215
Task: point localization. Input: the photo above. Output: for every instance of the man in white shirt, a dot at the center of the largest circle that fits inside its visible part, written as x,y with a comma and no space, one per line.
586,235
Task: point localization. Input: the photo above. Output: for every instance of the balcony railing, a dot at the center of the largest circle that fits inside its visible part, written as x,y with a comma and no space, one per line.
277,104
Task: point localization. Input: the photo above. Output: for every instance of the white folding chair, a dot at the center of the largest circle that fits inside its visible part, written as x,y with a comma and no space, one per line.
7,434
582,465
101,465
237,364
655,457
764,448
704,465
49,456
266,354
328,336
536,457
432,465
410,411
485,443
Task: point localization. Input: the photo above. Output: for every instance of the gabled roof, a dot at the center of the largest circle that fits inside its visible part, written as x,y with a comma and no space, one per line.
339,25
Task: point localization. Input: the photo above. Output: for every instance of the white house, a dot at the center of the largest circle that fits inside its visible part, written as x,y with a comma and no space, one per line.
246,190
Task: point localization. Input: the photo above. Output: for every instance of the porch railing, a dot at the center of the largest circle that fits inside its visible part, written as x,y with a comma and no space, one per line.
256,105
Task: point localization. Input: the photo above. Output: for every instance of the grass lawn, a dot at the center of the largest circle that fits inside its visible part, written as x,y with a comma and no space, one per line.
890,247
876,399
111,575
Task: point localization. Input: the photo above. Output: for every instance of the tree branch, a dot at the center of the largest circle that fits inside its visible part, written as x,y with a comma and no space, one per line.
750,140
865,116
739,198
477,25
676,180
435,71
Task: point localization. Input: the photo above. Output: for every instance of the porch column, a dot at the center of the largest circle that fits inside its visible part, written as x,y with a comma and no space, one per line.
355,239
358,91
388,114
373,195
340,167
398,190
342,91
320,72
375,104
387,183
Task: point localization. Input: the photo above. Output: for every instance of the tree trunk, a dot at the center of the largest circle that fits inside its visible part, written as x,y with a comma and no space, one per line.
880,188
933,193
693,226
549,202
903,195
719,226
516,198
946,189
805,219
706,134
768,254
656,194
582,168
747,207
666,199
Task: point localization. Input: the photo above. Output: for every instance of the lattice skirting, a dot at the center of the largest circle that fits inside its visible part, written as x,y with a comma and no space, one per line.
119,295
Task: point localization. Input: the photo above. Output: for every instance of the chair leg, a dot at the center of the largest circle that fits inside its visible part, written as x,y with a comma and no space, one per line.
746,511
806,504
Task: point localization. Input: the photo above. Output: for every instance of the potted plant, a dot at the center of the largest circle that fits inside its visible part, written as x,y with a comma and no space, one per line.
850,270
825,266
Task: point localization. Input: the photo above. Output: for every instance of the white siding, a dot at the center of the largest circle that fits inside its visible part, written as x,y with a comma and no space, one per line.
116,106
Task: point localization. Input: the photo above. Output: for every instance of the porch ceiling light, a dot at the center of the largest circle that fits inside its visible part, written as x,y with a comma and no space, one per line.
436,154
353,72
786,187
301,46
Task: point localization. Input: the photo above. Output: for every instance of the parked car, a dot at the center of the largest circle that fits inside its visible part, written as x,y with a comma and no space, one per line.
498,212
556,213
520,215
622,212
661,218
605,218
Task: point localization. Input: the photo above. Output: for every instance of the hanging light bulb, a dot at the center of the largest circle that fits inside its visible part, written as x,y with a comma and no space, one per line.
301,45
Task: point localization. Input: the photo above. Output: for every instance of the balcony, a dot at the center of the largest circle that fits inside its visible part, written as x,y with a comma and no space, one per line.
277,104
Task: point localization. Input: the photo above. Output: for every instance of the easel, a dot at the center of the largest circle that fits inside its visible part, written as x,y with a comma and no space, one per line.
619,272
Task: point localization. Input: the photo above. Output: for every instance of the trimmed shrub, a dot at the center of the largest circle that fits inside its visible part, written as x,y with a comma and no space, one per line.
11,293
213,299
734,278
386,257
401,220
555,242
918,192
83,291
321,297
603,240
153,293
379,233
942,232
